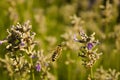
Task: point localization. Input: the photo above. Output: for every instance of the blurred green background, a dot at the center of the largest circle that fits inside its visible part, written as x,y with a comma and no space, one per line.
50,20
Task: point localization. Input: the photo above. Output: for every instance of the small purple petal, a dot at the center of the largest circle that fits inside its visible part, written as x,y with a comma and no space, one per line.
33,56
22,44
75,38
38,68
1,42
89,46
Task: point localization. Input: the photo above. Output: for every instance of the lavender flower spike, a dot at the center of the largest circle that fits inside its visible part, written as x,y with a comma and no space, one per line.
38,67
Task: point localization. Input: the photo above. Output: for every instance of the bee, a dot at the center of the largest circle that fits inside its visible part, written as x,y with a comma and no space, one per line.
56,53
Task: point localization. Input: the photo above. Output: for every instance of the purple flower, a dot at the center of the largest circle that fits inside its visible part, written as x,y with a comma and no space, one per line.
89,46
38,67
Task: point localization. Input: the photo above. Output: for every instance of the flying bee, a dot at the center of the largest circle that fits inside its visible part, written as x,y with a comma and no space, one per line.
56,53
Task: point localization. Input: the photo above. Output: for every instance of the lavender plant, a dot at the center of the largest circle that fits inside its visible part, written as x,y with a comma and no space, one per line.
21,59
88,50
110,74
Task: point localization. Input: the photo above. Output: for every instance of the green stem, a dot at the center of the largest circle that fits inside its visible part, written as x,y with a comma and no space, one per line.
91,72
69,71
11,78
31,61
106,28
33,76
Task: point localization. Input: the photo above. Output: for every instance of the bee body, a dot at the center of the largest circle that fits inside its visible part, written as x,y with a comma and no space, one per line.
56,53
